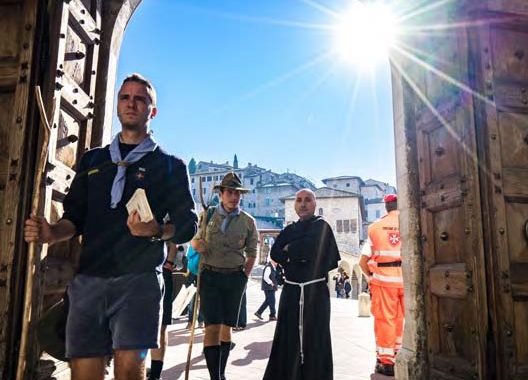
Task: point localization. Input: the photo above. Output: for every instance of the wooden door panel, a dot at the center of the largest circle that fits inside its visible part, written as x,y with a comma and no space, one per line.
447,236
514,139
509,54
9,13
68,132
506,179
443,153
450,254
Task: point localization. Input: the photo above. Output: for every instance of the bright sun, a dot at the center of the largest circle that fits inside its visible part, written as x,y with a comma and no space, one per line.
364,34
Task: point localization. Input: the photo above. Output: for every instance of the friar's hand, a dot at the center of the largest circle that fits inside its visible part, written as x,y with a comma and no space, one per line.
142,229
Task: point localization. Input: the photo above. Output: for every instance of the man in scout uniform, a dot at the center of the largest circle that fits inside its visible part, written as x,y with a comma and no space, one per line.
227,243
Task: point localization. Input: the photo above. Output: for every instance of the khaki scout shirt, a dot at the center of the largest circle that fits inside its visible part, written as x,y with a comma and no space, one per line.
226,250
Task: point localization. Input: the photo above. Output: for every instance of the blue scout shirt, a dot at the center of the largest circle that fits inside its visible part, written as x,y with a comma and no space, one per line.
108,248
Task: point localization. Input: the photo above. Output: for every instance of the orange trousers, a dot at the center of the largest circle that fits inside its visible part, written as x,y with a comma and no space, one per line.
387,309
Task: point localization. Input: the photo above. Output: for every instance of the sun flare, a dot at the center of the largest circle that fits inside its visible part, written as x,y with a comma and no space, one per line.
365,33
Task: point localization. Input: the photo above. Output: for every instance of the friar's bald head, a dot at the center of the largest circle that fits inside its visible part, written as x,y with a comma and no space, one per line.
305,203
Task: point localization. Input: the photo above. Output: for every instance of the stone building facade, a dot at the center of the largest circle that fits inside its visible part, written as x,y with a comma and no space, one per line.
371,190
267,188
345,212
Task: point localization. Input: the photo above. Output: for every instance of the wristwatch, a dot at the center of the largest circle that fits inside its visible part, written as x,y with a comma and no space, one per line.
158,236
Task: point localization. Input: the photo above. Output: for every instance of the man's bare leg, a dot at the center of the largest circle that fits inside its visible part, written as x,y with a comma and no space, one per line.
157,355
129,364
88,368
225,334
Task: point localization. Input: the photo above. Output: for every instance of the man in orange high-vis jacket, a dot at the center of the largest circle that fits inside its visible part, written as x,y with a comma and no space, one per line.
381,262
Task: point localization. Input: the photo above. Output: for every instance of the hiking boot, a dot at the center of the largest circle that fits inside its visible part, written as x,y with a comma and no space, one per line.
272,318
200,325
384,369
258,316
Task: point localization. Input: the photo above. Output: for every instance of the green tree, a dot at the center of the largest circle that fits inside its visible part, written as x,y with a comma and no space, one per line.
192,166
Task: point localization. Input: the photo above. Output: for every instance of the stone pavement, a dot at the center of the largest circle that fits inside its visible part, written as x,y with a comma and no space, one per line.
352,340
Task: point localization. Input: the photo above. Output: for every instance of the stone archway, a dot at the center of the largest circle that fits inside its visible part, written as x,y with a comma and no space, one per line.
460,114
447,99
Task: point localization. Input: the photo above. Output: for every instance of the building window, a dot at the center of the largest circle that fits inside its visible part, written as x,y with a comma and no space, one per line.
378,213
251,181
268,201
320,212
192,180
353,226
339,226
205,191
209,179
241,203
346,226
194,192
348,185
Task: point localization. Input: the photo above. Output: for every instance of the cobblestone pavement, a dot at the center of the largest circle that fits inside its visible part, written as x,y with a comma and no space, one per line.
352,340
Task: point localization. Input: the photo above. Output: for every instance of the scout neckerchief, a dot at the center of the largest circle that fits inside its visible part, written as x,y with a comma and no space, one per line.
228,216
146,146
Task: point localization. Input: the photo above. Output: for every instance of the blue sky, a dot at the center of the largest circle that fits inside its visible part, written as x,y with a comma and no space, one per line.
256,78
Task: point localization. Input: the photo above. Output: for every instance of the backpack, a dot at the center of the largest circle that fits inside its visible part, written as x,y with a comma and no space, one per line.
193,257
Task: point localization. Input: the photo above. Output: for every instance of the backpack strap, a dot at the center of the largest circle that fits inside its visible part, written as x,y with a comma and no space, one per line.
210,212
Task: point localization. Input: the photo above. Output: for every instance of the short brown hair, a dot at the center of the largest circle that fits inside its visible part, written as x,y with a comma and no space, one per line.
135,77
391,206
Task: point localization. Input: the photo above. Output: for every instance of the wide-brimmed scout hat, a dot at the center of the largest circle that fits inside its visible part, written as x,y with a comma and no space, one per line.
231,181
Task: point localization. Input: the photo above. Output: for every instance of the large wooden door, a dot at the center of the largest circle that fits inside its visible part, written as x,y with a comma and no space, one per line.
455,282
53,44
75,28
502,75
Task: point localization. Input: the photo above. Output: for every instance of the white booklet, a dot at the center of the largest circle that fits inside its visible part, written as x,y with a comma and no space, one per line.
139,202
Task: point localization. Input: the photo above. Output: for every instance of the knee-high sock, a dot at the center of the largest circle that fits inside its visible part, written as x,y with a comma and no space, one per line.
156,366
212,358
225,348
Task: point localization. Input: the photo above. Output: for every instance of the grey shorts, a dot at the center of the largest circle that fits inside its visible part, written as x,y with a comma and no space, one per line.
116,313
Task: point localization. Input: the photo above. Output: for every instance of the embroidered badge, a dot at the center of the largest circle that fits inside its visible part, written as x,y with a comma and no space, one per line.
140,175
394,238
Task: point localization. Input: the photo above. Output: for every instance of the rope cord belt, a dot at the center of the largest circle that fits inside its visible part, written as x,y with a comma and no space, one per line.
301,308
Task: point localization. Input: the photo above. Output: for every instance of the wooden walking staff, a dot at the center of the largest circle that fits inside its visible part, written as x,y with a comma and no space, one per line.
203,226
28,299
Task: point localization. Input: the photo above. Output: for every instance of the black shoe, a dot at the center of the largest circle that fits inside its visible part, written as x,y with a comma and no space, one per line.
272,318
258,316
384,369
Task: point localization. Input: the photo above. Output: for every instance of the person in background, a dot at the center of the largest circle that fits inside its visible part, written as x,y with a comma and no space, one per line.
193,258
269,287
307,249
157,355
381,262
228,248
